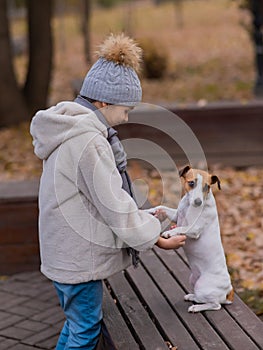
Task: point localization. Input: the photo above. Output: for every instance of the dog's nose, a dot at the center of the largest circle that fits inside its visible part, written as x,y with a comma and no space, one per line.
197,202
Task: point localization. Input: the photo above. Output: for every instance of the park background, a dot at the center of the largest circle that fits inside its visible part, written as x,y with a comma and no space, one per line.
205,53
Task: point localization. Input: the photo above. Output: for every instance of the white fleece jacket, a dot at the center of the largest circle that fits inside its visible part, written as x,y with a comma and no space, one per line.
86,219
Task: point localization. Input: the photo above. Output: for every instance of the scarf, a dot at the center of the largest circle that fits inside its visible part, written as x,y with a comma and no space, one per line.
120,160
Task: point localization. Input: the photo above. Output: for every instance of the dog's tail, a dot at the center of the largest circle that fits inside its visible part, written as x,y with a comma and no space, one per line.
230,296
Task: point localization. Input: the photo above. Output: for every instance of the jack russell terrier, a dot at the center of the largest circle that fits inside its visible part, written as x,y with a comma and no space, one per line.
197,218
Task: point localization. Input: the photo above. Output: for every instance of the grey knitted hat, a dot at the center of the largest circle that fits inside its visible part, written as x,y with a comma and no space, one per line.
113,78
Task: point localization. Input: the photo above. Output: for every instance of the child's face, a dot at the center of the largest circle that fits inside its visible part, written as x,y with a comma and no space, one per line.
116,114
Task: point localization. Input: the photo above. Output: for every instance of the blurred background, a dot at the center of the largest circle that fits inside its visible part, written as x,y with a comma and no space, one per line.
196,53
194,50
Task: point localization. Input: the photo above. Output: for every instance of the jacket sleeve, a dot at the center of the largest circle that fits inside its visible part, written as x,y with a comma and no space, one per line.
100,180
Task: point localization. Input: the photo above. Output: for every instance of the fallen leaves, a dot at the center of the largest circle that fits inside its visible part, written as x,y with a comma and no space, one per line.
240,208
17,160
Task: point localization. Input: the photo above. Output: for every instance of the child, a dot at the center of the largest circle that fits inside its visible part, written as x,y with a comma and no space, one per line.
89,223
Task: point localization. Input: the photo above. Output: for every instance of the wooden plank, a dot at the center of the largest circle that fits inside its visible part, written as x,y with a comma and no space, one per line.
19,191
247,320
196,324
117,328
229,135
147,334
232,334
230,331
167,319
17,215
18,218
18,258
19,248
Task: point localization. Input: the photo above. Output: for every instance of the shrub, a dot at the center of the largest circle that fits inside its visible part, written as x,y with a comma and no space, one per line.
155,60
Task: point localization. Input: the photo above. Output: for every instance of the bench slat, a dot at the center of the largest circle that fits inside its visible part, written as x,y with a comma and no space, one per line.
248,321
221,320
116,325
242,314
197,324
162,311
138,317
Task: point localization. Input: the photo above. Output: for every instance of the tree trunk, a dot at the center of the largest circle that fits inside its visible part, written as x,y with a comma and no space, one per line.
86,29
40,54
12,105
257,11
179,13
128,24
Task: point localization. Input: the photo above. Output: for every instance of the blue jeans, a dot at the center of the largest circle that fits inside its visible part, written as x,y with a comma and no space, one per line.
82,305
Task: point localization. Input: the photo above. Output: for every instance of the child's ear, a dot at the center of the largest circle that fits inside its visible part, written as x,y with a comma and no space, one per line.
183,171
215,179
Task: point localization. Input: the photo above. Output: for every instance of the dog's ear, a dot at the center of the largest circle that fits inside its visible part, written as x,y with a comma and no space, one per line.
183,171
215,179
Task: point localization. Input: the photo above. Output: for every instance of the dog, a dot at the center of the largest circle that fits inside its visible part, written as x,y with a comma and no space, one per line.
197,218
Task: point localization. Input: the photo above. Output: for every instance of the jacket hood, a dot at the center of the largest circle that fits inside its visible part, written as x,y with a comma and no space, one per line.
55,125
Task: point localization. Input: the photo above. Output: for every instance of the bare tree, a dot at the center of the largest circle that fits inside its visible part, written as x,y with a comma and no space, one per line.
18,103
257,11
128,20
256,30
40,54
178,5
86,28
12,104
179,13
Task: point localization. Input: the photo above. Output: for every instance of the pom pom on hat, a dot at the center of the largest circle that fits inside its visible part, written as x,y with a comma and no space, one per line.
113,78
121,50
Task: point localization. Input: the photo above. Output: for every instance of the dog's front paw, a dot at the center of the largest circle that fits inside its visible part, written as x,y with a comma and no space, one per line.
174,231
166,234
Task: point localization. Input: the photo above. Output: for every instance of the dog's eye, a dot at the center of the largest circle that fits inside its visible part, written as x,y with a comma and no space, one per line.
191,184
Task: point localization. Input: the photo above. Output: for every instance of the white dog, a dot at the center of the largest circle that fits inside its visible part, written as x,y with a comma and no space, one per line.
197,218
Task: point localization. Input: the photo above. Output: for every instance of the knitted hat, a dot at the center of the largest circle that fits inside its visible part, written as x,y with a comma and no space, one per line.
113,78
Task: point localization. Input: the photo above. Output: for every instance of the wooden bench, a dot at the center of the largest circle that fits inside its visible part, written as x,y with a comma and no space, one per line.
230,133
144,309
19,250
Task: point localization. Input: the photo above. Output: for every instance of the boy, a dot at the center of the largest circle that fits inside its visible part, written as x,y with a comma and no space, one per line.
89,223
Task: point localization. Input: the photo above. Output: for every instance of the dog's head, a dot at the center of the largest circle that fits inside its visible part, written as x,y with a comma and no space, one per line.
198,182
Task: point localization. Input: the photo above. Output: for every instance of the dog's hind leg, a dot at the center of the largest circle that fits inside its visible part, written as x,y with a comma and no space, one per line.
229,297
204,307
189,297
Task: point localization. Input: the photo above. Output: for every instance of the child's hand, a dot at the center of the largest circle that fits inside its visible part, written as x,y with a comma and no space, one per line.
160,214
173,242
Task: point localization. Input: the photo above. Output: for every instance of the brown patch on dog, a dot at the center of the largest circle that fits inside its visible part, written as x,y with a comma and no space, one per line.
230,296
215,179
190,175
183,171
